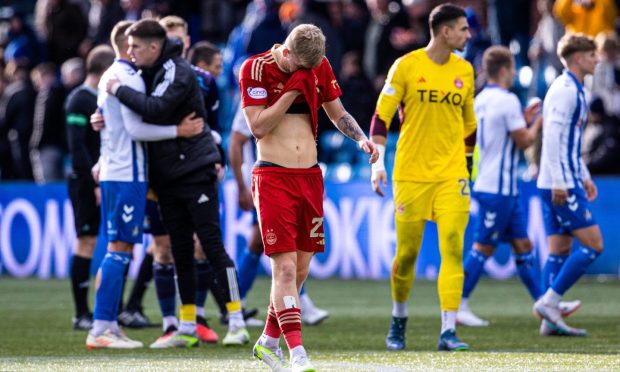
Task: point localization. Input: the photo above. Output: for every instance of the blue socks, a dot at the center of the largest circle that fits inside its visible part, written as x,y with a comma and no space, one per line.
552,268
474,263
247,272
109,293
574,268
527,272
165,287
203,280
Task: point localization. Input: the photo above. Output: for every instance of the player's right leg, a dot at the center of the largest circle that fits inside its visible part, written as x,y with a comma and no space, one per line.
82,193
177,220
408,242
410,223
123,212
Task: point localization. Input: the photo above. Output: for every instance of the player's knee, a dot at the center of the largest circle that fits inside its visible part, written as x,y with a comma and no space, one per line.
86,246
522,246
452,250
163,254
285,272
301,276
485,249
596,243
121,247
199,254
405,257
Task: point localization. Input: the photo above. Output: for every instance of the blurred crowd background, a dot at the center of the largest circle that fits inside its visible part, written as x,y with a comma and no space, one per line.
43,45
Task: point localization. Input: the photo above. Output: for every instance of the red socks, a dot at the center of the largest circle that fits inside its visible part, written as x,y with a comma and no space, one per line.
272,327
290,324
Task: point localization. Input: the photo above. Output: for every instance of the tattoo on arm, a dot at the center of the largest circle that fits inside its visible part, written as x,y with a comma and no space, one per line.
349,127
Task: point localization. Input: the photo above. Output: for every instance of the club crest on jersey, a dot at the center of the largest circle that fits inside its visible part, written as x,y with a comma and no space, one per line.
271,237
458,83
400,209
257,93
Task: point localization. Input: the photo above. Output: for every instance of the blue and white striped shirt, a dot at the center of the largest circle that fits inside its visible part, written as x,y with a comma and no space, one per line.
565,111
499,113
123,152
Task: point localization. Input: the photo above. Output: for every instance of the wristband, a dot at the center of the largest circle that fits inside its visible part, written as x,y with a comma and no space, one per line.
379,165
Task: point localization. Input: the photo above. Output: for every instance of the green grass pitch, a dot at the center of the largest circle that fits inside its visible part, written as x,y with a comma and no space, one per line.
36,333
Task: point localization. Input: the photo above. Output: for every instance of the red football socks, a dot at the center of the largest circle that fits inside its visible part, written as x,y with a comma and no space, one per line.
272,327
290,324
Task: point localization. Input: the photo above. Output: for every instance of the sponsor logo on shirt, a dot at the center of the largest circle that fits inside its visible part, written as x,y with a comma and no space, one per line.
440,96
257,93
421,79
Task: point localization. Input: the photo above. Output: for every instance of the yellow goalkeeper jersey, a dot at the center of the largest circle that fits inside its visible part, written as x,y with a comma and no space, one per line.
437,103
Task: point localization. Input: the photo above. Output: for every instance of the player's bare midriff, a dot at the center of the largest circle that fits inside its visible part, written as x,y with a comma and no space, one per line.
291,144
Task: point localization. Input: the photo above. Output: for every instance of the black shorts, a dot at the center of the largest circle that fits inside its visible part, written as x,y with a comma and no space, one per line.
87,214
152,219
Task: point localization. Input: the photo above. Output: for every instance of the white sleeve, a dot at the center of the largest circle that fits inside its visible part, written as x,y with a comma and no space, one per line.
239,124
137,129
141,131
514,115
560,105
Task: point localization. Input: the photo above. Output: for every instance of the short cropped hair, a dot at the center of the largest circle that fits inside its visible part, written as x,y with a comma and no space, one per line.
99,59
494,58
148,29
172,22
444,13
118,33
573,43
202,51
73,65
307,42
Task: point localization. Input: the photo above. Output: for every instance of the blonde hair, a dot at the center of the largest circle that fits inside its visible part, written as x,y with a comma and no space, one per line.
171,23
570,44
307,42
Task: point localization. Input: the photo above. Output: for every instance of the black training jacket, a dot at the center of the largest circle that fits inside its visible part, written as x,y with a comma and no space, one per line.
173,94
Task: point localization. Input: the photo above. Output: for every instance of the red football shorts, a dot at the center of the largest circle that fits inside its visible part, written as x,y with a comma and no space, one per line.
289,202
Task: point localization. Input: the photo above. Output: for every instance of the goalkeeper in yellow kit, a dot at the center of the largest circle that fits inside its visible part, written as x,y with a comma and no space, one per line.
434,90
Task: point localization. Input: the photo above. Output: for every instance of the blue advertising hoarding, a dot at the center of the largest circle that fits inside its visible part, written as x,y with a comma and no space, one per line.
37,234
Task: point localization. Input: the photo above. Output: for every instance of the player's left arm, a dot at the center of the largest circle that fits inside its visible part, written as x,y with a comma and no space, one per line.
349,127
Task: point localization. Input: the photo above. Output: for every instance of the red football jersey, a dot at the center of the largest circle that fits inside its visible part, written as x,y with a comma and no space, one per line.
261,81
